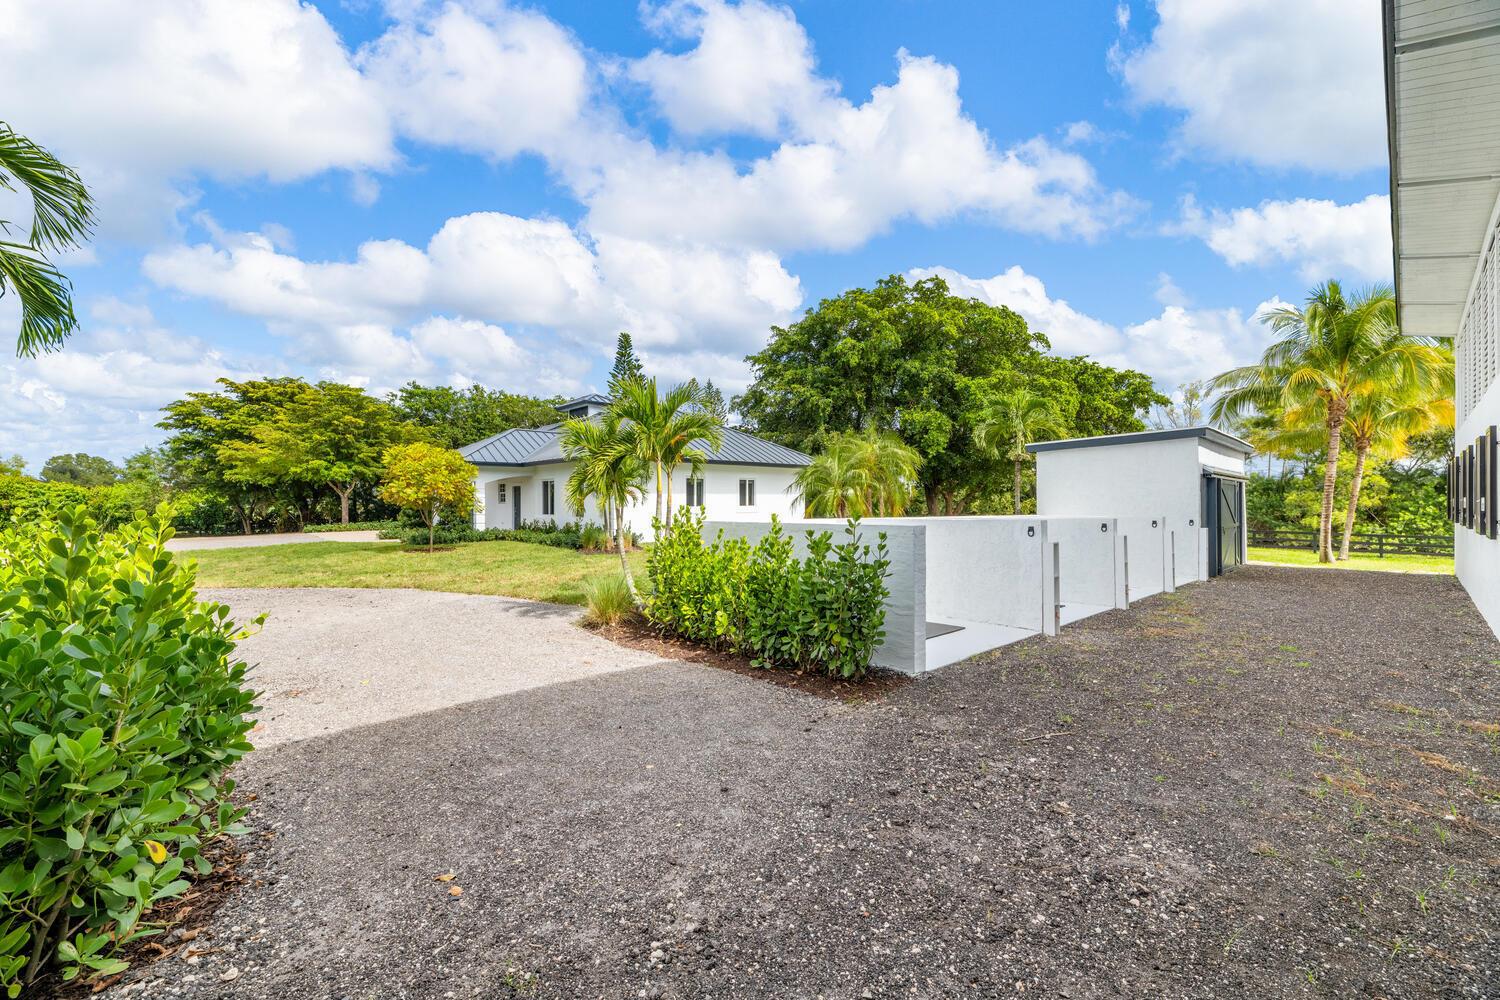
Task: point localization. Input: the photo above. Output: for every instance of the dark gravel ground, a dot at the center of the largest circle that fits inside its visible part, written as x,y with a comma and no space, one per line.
1281,783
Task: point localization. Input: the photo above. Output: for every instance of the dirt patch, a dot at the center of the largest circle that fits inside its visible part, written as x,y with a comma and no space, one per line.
637,634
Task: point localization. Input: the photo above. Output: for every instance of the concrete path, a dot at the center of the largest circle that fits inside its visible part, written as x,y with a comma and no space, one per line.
254,541
333,659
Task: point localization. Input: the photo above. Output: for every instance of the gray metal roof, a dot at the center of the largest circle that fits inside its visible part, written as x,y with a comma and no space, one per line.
543,446
1210,433
592,397
1442,81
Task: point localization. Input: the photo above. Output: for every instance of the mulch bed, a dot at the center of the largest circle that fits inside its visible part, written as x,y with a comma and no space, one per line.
181,921
637,634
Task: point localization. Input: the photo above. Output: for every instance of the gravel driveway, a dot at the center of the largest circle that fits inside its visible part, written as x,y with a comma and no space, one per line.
1282,783
333,659
189,544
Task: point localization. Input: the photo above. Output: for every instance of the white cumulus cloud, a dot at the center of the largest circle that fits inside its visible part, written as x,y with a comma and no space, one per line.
1320,238
1278,83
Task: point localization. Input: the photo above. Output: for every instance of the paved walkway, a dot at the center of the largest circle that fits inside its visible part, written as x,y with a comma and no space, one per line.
254,541
333,659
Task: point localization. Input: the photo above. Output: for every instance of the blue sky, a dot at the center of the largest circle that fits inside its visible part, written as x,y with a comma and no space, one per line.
488,191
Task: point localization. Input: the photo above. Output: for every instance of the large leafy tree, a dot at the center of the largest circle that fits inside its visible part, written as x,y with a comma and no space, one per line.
456,417
80,469
205,423
664,430
430,480
914,359
1014,420
62,216
333,435
1331,352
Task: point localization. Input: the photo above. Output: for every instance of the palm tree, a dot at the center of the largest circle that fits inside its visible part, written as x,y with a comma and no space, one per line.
62,218
664,431
1332,351
1013,421
604,467
833,485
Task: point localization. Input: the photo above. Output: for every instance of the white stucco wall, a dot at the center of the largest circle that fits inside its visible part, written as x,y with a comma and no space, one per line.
1477,557
1089,566
1143,556
721,484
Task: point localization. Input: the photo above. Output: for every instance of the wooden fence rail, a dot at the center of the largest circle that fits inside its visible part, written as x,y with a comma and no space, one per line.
1377,543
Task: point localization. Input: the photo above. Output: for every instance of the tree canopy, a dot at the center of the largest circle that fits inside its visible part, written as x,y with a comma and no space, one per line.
456,417
917,360
80,469
627,367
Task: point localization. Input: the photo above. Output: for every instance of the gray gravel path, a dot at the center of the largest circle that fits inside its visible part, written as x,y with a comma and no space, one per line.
1262,786
331,659
255,541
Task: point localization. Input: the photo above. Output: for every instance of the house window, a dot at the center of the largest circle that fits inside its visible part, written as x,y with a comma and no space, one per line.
695,491
502,491
747,493
549,497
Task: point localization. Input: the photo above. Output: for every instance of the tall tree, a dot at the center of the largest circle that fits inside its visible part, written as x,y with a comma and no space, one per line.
1330,352
333,435
456,417
664,430
604,467
62,217
1016,419
15,465
627,367
80,469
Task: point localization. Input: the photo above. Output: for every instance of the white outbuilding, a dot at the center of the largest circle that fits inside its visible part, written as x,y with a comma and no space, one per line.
1192,478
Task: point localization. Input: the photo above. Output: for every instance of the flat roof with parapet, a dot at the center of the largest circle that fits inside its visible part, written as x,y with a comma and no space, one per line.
1212,434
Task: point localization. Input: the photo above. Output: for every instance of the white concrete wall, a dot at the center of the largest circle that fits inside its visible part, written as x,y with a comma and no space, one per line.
1138,479
721,495
905,646
1089,562
1144,555
1476,556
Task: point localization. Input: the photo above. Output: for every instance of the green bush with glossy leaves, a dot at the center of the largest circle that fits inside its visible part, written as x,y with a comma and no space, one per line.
121,706
824,612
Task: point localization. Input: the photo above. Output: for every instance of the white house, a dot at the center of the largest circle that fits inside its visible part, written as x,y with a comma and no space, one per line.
1442,75
523,477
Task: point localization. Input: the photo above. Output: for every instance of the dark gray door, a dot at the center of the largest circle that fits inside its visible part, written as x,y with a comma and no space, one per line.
515,506
1223,514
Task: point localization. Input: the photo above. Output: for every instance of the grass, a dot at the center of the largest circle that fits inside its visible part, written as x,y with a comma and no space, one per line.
506,569
1389,564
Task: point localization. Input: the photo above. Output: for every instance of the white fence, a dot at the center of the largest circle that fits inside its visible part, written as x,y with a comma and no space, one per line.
963,585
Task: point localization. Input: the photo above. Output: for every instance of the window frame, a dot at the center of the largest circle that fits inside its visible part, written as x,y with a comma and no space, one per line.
747,496
549,498
695,492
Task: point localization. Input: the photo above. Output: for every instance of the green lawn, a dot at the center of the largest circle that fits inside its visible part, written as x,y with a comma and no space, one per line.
508,569
1390,564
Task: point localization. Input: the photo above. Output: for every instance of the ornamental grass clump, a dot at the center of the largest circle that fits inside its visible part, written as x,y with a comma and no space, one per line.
120,709
824,612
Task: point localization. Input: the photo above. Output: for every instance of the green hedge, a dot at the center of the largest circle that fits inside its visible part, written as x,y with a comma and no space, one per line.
120,709
352,526
825,612
563,536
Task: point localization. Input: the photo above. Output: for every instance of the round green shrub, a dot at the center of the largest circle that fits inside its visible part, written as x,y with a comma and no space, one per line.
120,709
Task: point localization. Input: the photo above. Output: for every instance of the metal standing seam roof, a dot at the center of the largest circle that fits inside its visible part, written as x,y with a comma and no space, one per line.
1212,434
543,446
